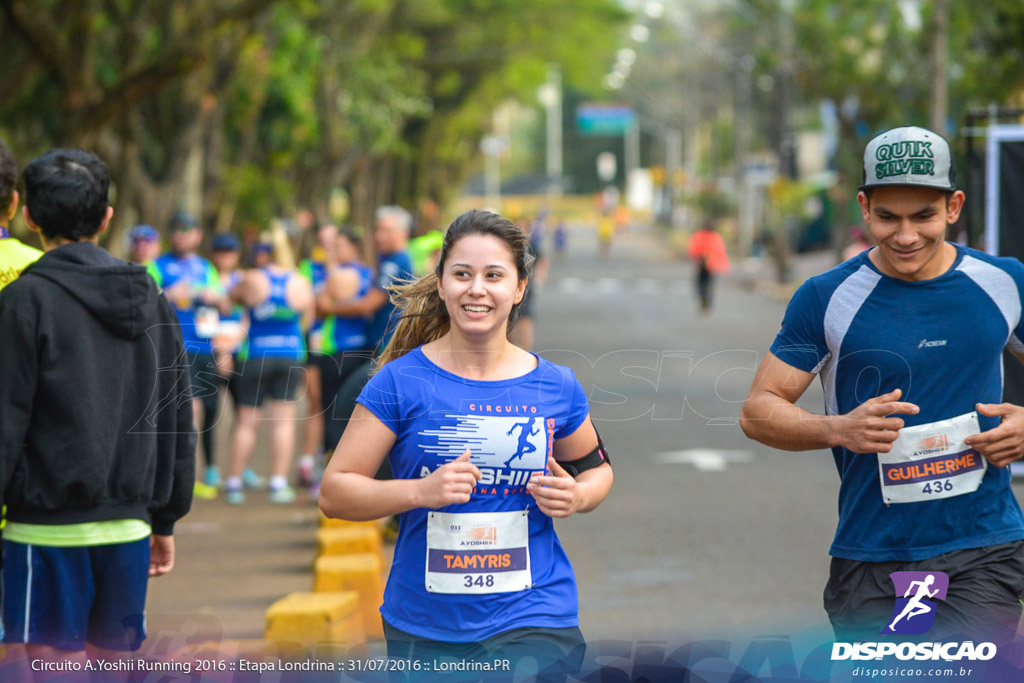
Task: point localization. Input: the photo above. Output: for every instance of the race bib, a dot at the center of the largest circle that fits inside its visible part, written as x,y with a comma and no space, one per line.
931,461
229,336
207,321
478,552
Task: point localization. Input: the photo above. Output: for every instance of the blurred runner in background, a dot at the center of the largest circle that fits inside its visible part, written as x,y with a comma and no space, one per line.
707,251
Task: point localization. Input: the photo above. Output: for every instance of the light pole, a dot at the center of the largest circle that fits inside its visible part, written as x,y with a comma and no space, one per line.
550,95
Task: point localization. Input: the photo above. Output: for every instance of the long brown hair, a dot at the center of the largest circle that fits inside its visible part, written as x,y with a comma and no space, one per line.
424,315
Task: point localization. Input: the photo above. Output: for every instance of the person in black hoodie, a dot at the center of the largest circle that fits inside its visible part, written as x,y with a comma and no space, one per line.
97,445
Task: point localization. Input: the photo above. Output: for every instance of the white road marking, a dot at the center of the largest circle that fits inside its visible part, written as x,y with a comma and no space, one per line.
704,459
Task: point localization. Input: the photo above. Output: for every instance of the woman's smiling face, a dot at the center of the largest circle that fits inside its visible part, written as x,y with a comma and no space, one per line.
479,284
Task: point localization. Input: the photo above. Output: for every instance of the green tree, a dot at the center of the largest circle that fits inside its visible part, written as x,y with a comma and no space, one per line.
84,71
242,110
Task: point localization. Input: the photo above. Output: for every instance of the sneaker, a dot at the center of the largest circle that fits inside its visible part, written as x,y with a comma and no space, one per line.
213,476
253,481
203,491
319,465
235,497
305,470
282,496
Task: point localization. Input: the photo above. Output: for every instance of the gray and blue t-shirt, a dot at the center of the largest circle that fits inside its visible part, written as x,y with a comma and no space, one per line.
941,342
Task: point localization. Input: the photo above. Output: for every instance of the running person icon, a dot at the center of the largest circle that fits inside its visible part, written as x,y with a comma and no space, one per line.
526,430
915,607
478,571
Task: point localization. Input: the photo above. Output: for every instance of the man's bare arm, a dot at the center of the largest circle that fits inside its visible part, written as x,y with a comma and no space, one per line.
371,303
770,415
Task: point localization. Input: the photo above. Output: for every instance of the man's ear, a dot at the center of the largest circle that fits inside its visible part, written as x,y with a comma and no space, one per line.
28,219
956,203
865,206
106,221
12,209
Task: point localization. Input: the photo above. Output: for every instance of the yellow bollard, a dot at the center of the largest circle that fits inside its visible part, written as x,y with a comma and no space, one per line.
331,522
346,540
359,572
312,618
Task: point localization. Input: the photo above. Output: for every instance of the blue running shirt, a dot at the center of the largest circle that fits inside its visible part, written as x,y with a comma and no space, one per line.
275,329
346,333
316,272
169,270
392,269
941,342
509,426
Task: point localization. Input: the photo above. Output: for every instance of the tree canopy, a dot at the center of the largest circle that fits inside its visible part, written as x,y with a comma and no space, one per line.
242,110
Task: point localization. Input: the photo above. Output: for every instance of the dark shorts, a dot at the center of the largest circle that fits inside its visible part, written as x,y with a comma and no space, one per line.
337,368
318,360
231,380
983,601
94,594
206,379
549,654
259,378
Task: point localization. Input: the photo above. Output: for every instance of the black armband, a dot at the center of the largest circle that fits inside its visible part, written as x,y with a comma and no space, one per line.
594,458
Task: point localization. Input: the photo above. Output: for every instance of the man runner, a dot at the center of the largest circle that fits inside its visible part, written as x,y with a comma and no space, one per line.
193,287
908,339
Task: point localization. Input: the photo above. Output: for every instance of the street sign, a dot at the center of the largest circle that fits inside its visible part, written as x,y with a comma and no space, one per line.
604,119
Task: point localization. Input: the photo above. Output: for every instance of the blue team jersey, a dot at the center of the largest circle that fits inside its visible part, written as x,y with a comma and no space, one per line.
348,332
275,329
200,275
316,272
392,269
510,427
230,281
941,342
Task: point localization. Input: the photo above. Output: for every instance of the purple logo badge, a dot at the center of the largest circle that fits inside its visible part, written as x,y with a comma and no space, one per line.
916,593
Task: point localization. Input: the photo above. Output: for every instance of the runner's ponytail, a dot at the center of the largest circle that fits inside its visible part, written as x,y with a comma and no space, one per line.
424,317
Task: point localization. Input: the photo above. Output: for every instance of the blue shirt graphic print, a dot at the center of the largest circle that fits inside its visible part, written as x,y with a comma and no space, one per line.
509,426
494,441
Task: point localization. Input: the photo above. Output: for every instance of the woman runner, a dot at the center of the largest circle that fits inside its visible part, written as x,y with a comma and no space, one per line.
478,574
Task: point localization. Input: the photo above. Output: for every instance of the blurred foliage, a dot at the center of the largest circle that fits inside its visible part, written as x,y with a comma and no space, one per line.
243,110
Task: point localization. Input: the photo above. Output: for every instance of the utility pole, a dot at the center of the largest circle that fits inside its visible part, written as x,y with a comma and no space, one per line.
631,150
550,96
746,220
786,140
937,63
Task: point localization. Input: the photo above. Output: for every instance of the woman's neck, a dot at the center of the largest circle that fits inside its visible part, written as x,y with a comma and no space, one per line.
493,359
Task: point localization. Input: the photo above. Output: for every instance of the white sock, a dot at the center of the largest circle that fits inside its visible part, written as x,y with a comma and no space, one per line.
278,482
233,484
